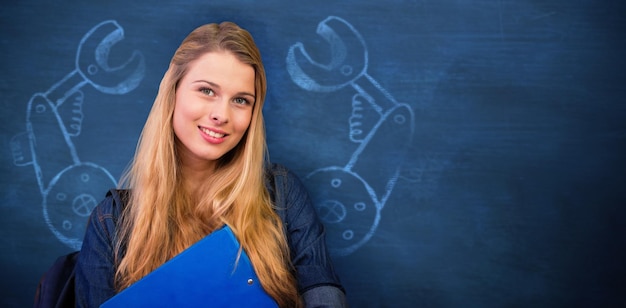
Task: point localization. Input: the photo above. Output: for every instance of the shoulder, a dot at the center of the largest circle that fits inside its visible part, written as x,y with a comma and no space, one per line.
285,187
113,203
274,170
289,196
279,177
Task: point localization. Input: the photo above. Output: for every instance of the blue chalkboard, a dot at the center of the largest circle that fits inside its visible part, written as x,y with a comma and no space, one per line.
459,153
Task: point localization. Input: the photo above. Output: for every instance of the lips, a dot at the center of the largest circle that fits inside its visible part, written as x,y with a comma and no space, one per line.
212,136
212,133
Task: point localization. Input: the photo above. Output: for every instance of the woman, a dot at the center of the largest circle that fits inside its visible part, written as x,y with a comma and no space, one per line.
201,163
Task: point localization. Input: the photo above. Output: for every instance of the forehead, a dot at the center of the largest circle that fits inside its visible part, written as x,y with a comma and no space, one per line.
221,67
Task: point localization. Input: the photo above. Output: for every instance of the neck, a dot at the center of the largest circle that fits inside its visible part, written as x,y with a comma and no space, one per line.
194,175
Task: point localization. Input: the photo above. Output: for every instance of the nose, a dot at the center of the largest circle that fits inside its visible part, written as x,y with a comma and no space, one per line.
219,112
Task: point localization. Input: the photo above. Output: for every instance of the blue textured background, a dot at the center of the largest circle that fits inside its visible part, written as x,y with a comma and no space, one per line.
511,192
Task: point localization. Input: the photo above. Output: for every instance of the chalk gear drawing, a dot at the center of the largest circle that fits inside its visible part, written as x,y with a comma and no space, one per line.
349,198
70,187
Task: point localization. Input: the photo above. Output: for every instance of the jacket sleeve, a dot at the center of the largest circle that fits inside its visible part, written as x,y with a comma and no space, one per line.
95,265
324,297
317,280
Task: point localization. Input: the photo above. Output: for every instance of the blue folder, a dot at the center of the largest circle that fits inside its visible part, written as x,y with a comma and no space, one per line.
203,275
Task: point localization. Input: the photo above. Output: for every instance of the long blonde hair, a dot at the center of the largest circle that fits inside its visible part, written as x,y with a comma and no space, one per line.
161,219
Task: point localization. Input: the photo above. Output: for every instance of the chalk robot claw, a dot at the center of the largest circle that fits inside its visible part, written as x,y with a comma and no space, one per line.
349,198
70,187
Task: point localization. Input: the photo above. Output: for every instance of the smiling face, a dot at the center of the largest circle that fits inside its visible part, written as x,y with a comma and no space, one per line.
213,109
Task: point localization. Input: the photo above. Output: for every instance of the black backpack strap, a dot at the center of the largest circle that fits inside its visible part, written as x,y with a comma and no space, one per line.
120,198
56,286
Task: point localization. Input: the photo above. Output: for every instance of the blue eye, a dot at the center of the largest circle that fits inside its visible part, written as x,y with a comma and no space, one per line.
241,101
207,91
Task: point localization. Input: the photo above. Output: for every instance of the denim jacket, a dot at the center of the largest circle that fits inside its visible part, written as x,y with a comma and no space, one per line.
317,280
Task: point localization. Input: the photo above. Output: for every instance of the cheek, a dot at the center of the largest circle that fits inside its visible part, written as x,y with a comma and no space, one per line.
185,109
180,119
243,122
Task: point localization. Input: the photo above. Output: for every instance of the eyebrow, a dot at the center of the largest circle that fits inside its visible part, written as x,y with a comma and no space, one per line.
215,85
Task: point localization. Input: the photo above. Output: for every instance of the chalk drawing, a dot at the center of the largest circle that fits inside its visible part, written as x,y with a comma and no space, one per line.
70,187
347,196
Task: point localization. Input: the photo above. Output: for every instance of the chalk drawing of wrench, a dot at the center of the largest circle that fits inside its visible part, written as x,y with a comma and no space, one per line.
349,198
71,188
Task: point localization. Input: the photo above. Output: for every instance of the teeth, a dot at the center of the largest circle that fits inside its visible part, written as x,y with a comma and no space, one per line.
212,133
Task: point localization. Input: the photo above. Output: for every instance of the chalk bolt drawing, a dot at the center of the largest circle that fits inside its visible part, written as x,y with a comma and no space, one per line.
70,187
347,196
